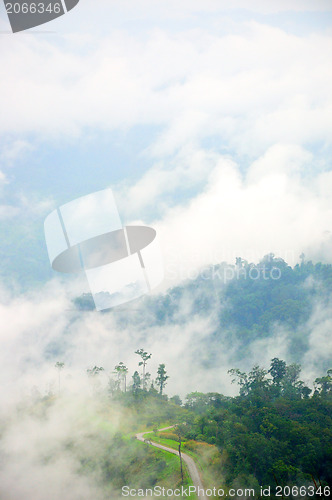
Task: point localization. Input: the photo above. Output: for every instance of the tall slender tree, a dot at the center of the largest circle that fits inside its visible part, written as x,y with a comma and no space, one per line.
136,383
121,370
145,357
162,377
93,372
277,370
323,385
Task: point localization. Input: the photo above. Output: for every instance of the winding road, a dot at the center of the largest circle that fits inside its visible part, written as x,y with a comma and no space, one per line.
192,468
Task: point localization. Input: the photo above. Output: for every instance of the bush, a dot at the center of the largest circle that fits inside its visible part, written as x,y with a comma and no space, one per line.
169,435
190,445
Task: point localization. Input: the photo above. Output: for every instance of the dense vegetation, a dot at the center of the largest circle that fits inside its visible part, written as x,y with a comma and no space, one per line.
273,432
276,293
277,431
94,444
250,297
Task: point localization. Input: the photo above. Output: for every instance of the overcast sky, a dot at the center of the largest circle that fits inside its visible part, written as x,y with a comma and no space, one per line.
210,120
213,123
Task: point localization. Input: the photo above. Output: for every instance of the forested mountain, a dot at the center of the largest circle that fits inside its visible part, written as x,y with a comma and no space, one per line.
253,297
277,431
275,293
245,303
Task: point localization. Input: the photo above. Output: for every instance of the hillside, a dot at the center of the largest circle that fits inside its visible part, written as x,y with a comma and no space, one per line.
245,305
275,432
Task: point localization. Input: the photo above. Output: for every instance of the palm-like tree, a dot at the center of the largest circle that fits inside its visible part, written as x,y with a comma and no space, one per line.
121,370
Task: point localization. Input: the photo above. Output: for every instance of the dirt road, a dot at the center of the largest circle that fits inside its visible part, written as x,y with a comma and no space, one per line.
192,468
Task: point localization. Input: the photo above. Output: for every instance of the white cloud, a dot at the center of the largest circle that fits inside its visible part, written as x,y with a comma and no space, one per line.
35,324
320,341
14,150
40,461
34,206
25,207
275,207
8,212
2,178
38,456
148,9
255,93
152,195
250,89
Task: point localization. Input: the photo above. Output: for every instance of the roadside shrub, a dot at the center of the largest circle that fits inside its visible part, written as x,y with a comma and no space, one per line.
169,435
190,445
